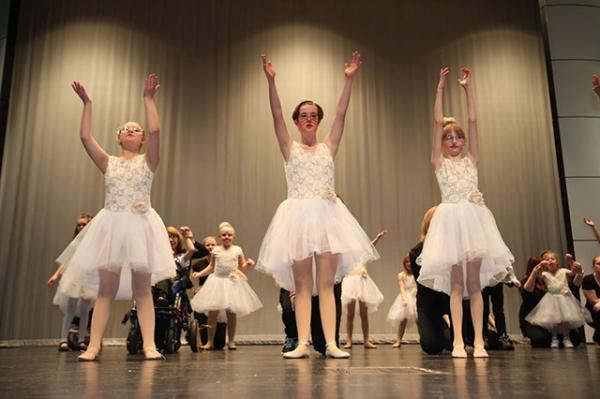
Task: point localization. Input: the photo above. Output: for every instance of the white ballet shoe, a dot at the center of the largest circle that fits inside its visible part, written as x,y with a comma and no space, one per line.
459,352
334,352
300,352
480,352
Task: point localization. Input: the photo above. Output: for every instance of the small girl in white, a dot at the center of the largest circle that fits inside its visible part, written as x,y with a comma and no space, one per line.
359,286
404,308
226,288
558,308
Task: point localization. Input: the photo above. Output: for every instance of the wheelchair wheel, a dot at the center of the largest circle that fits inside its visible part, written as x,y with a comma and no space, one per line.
134,341
193,335
73,340
170,341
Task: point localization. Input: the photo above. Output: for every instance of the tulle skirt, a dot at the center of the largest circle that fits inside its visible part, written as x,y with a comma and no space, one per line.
403,308
558,308
226,293
119,242
459,233
363,289
304,227
61,300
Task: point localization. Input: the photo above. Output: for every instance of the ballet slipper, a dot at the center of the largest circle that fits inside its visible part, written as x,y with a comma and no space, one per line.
334,352
348,345
231,346
397,344
479,352
90,355
370,345
459,351
300,352
150,353
207,347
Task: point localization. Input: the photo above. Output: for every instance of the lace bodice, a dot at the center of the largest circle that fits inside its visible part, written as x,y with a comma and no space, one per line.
458,181
310,173
557,284
226,260
410,285
127,185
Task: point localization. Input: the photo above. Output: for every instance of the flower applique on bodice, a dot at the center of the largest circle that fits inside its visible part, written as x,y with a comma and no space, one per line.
557,284
127,185
310,173
458,181
226,260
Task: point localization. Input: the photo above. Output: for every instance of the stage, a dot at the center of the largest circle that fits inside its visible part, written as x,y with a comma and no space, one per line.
258,371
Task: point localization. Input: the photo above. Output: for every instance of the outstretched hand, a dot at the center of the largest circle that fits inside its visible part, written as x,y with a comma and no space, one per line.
268,67
382,233
53,280
589,222
80,90
465,81
354,65
596,84
443,73
573,264
151,85
249,263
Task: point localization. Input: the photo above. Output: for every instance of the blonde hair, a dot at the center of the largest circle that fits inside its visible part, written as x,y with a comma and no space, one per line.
226,225
426,221
208,238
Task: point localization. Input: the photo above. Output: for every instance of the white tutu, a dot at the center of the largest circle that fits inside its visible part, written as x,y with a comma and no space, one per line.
304,227
116,241
361,288
61,300
403,308
458,233
558,308
231,293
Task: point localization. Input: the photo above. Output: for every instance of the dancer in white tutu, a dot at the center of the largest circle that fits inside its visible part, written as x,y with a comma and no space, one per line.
226,288
359,286
404,308
558,308
125,248
312,221
463,251
77,304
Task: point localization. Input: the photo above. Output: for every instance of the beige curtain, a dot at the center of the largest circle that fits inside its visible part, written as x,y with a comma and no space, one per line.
219,157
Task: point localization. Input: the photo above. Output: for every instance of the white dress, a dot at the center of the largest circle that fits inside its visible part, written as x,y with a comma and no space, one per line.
127,234
226,288
462,229
558,305
405,306
312,220
359,286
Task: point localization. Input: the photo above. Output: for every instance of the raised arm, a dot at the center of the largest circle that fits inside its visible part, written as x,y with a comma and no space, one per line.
337,129
438,120
575,270
537,270
190,249
283,137
592,225
151,86
94,150
596,84
378,237
465,82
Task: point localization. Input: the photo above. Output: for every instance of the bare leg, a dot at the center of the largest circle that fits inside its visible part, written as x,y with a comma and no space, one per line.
350,323
212,329
476,299
303,304
109,285
231,325
140,286
326,269
364,323
401,330
456,296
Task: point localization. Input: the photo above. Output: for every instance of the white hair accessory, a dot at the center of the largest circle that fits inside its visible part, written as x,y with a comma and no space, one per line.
446,120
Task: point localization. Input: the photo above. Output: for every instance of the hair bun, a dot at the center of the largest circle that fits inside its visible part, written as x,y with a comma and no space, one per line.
446,120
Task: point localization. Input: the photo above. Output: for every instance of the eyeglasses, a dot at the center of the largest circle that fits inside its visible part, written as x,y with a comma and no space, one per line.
452,137
306,117
135,130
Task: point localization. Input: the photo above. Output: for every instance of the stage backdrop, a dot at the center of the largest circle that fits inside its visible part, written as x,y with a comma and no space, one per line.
219,157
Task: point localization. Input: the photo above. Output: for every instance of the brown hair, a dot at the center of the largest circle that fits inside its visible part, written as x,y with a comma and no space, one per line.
405,260
426,221
85,216
451,125
296,112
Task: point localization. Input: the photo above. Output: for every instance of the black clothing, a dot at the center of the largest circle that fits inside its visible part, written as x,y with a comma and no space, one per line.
496,294
590,283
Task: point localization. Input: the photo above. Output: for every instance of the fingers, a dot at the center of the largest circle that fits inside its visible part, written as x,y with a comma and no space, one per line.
444,71
570,259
